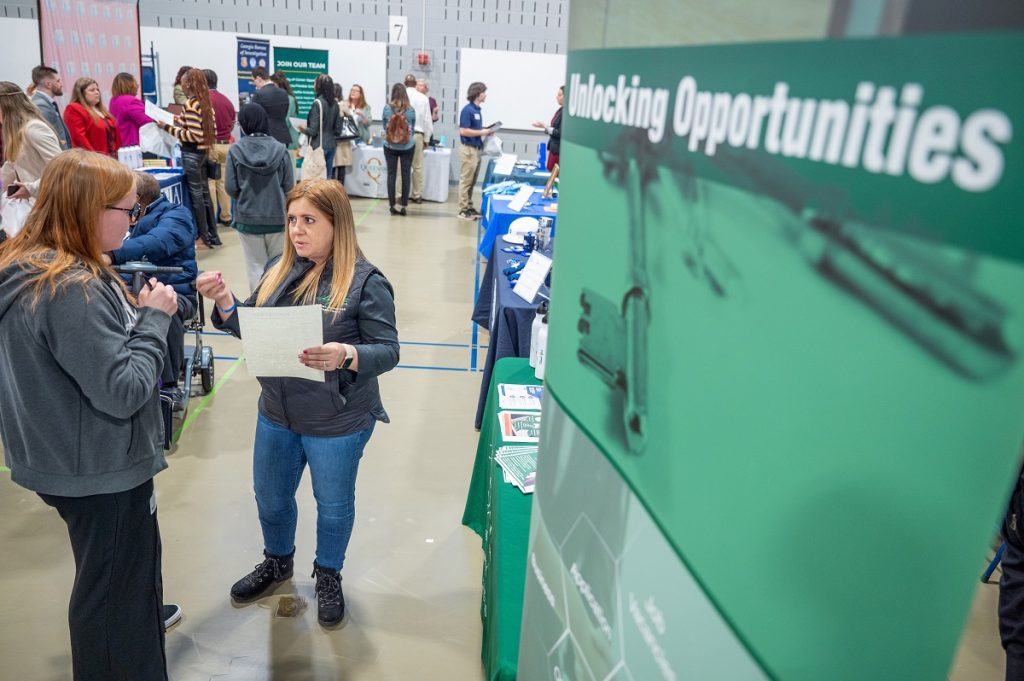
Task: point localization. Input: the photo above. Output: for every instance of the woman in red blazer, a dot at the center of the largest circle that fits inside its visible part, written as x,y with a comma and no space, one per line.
90,124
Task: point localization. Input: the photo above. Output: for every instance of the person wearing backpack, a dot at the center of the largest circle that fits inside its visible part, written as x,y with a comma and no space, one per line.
399,121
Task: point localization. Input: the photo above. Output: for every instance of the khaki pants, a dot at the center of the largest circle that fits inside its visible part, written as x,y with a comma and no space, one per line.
416,191
469,158
219,153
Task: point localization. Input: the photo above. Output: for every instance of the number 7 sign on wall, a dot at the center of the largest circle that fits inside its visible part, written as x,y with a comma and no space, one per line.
398,30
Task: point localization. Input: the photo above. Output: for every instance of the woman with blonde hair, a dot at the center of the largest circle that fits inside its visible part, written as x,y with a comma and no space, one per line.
195,129
128,110
29,142
71,335
323,423
90,124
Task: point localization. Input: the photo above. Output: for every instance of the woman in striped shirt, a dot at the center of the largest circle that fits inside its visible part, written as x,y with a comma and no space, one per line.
195,129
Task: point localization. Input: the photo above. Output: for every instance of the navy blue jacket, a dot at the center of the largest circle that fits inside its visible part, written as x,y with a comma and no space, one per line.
165,236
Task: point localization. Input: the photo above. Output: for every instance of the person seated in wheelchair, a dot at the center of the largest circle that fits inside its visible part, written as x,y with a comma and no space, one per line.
164,235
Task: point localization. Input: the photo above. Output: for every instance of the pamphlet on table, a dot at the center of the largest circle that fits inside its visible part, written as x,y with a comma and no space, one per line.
518,465
518,397
519,426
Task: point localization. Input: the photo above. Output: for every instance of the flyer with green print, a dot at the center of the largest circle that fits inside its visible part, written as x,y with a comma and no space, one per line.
785,393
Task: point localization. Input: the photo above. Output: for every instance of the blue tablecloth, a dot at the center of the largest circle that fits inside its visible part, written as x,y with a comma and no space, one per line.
508,317
172,185
497,216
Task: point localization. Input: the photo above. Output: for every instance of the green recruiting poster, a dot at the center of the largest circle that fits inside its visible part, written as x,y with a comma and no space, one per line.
785,391
301,67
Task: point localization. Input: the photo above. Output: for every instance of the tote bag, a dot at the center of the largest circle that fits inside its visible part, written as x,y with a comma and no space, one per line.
314,164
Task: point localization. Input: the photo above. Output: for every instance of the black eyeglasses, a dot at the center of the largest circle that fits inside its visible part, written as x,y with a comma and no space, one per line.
133,213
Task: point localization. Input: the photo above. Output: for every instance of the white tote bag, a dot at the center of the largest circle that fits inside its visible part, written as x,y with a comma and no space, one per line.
314,163
14,212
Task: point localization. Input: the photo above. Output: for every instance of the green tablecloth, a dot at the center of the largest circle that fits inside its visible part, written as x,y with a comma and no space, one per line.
500,514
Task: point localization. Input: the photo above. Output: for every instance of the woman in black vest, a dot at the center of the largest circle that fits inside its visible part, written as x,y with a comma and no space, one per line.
554,131
323,424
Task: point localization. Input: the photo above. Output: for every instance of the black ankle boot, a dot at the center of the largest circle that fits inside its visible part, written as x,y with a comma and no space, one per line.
273,570
393,211
330,603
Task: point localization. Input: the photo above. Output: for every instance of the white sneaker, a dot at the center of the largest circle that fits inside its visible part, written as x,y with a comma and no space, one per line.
172,613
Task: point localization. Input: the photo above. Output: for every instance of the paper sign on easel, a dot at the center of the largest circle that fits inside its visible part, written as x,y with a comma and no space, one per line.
532,276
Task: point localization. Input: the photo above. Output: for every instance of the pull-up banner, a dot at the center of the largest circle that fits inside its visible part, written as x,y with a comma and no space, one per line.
785,375
301,67
252,53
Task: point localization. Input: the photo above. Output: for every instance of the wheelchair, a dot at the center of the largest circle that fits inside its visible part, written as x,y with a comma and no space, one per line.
198,356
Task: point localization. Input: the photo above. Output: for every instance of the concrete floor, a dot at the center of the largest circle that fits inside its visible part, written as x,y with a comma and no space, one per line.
412,576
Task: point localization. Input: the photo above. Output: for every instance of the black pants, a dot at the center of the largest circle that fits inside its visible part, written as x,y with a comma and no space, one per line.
117,628
198,182
339,173
175,360
1011,611
392,157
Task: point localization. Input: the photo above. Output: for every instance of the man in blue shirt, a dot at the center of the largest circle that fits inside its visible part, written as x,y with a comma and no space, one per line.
472,134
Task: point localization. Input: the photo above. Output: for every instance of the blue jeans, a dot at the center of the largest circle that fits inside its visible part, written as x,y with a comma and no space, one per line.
329,160
279,457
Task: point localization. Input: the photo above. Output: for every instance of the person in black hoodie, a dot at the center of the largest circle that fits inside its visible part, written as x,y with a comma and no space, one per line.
323,423
259,173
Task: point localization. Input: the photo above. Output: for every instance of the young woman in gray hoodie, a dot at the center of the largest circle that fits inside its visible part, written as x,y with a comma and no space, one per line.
79,407
259,173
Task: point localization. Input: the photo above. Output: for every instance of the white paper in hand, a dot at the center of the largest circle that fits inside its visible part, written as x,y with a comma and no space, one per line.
273,337
158,114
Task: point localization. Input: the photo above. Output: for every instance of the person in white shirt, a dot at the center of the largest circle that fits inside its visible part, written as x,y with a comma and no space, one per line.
421,134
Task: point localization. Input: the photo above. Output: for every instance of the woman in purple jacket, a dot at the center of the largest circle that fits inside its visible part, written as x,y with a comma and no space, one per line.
127,108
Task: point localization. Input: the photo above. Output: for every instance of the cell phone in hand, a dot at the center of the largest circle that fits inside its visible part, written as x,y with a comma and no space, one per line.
12,189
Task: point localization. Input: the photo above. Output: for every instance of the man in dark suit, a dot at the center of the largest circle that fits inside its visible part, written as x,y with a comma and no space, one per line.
274,101
48,88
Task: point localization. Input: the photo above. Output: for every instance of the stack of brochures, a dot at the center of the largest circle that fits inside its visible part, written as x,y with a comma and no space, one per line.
519,464
519,422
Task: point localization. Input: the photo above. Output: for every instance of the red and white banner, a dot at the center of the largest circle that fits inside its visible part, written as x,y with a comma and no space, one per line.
90,38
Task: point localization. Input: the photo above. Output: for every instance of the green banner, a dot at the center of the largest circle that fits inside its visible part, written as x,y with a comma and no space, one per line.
786,334
301,67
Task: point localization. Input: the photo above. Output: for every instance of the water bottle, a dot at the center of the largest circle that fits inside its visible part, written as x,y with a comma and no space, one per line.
542,349
535,333
176,156
542,155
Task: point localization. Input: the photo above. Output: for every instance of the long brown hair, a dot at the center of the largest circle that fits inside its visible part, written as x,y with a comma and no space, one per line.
330,198
17,110
361,104
61,233
399,98
78,96
194,85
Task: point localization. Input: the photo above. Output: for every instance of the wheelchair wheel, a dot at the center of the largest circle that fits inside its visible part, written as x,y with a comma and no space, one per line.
206,374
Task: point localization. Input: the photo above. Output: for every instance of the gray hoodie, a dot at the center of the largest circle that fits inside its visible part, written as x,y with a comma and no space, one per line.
79,407
259,174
